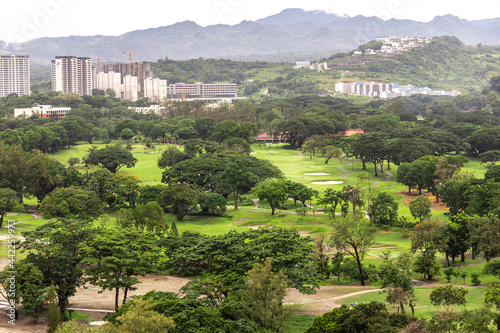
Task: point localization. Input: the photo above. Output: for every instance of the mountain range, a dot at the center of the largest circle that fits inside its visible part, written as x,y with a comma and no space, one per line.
282,37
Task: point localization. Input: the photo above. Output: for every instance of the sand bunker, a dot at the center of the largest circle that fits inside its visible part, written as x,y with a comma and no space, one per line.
316,174
327,182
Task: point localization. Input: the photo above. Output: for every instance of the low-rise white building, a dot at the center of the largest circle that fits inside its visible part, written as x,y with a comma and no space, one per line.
43,111
202,91
156,109
302,63
386,90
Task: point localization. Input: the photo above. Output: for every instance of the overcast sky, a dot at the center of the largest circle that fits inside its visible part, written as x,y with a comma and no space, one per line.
22,20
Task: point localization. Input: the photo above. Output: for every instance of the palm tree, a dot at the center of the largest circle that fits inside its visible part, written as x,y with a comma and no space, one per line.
147,144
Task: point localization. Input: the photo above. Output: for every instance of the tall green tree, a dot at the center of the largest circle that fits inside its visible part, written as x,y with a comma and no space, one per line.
236,176
122,190
275,192
397,283
264,290
45,175
429,238
14,169
484,236
114,259
171,156
332,198
457,231
29,287
199,171
8,200
71,203
353,195
111,157
54,249
179,199
354,235
420,207
147,217
383,209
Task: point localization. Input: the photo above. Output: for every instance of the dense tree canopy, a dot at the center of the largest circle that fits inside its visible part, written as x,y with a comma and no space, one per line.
111,158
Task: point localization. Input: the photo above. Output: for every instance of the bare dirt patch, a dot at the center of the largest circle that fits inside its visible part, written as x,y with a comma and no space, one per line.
325,298
243,219
256,226
22,324
414,193
91,299
304,233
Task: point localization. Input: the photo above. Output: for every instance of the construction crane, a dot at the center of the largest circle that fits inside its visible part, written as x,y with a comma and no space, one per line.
130,60
99,63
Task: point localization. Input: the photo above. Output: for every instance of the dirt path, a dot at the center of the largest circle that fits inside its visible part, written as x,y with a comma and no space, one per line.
33,212
324,300
256,203
389,175
346,173
243,219
472,264
372,186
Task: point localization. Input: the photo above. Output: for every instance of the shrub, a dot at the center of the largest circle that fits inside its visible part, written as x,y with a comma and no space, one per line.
448,273
474,279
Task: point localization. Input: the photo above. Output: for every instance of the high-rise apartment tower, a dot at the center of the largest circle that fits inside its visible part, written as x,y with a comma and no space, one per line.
14,75
72,75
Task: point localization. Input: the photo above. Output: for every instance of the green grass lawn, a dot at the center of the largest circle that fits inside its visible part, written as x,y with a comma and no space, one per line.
294,165
19,217
423,307
299,323
475,167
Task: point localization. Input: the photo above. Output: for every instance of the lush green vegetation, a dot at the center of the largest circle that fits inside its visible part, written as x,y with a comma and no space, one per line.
191,193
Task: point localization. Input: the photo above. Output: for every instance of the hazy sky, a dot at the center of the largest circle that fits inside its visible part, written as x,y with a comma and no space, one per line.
22,20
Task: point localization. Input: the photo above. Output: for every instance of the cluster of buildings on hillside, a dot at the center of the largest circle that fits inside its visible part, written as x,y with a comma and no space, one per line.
394,45
390,45
129,81
386,90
